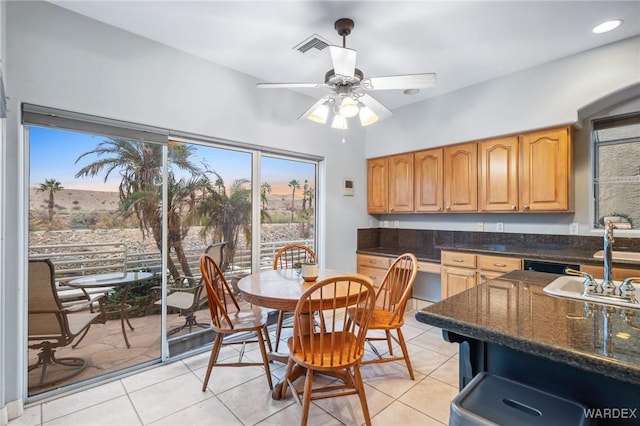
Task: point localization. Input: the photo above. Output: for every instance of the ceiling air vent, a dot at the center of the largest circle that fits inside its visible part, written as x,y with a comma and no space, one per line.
312,44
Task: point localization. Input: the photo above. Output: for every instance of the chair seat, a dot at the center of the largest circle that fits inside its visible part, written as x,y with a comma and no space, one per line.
78,321
380,320
248,320
324,353
178,299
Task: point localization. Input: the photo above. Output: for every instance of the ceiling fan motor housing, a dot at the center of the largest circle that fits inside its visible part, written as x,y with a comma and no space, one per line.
344,26
333,80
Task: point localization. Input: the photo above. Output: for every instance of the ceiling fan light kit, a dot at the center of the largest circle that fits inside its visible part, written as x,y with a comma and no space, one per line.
349,87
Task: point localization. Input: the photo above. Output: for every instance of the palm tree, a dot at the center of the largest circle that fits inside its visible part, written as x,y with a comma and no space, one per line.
294,184
140,188
305,189
265,188
53,186
226,215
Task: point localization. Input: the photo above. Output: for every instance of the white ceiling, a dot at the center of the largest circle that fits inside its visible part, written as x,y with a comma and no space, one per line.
464,42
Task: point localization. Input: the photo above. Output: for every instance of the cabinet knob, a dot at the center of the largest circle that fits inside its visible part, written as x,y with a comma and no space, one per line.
526,207
391,209
472,274
448,208
513,207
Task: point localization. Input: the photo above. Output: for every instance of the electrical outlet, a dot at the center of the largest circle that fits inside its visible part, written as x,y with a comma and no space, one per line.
370,223
385,223
480,226
574,228
396,224
499,227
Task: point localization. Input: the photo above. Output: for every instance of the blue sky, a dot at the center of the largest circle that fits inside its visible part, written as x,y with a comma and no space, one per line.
53,153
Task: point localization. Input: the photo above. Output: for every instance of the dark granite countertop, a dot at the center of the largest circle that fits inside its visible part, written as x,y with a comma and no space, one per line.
427,244
513,311
555,253
423,256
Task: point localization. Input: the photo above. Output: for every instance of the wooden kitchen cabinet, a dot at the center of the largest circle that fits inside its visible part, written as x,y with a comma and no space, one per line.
428,180
546,170
378,185
461,271
498,174
375,267
461,177
401,183
617,274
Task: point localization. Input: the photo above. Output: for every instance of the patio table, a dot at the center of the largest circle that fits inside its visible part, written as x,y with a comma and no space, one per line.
116,279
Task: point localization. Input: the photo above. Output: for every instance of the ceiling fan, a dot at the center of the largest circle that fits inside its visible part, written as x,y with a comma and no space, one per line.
349,87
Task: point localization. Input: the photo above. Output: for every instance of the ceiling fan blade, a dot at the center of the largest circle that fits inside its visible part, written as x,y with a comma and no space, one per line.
344,60
380,110
400,82
288,85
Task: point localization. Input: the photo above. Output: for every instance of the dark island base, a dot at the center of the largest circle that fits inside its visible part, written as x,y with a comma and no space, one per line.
591,389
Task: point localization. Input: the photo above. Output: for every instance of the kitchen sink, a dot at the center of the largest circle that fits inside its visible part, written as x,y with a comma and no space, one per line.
619,255
571,287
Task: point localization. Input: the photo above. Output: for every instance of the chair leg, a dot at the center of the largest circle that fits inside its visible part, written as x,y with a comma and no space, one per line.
405,353
265,359
389,342
286,381
308,385
212,359
267,338
361,394
279,329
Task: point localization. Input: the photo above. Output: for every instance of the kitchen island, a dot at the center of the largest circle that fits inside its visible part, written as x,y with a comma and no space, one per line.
588,352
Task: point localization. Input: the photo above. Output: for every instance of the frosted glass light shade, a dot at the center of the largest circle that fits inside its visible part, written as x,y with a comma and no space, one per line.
367,116
320,114
348,107
339,122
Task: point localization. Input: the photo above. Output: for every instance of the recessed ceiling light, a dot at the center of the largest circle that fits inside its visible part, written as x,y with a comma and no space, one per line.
607,26
411,91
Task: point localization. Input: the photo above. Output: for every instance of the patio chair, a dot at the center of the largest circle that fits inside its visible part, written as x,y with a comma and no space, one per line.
190,298
227,321
289,257
336,348
52,326
392,299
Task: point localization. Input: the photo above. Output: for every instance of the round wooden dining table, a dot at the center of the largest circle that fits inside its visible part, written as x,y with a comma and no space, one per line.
281,289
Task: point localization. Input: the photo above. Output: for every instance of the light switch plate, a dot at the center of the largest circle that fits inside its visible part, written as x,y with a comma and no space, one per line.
479,226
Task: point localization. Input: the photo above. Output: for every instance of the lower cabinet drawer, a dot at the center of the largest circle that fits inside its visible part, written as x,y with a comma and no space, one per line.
376,274
498,264
460,260
365,260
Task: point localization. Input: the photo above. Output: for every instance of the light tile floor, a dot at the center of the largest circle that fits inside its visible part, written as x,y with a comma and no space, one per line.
171,394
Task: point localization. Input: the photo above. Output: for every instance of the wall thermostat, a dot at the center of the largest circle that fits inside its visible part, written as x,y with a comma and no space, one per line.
348,186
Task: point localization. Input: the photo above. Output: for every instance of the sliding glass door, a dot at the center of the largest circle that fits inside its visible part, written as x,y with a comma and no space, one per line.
287,205
120,217
95,222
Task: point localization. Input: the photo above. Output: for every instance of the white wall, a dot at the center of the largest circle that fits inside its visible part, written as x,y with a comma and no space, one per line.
543,96
64,60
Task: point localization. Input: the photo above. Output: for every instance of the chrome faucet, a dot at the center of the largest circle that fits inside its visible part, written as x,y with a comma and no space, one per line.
608,287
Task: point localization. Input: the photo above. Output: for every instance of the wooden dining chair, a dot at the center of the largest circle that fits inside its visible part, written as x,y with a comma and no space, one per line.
289,257
227,319
337,347
391,302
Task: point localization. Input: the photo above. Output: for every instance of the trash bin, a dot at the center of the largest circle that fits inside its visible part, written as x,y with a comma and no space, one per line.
493,400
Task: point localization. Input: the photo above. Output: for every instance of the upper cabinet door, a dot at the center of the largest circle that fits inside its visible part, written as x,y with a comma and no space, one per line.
401,183
461,177
378,185
498,174
427,166
546,170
